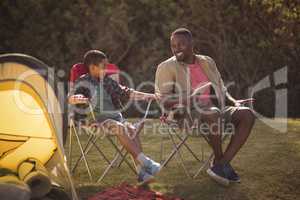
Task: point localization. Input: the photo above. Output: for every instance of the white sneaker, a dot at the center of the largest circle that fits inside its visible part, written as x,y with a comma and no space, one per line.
152,167
144,177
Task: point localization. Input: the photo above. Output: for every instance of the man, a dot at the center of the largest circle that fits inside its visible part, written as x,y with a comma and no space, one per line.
180,75
105,94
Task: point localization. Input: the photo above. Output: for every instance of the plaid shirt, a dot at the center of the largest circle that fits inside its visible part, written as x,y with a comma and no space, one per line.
87,85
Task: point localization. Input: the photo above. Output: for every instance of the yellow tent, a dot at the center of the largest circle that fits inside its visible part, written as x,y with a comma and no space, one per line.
31,125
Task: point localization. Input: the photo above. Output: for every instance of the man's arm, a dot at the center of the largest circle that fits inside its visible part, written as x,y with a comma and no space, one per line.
136,95
125,92
165,82
227,94
222,90
240,102
230,98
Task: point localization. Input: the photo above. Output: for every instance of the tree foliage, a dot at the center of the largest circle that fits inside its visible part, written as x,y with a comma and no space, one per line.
249,39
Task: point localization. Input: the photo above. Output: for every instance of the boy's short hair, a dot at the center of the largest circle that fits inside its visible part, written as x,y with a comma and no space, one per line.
183,31
93,57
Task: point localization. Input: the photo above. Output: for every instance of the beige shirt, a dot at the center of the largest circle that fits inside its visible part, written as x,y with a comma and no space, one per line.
172,77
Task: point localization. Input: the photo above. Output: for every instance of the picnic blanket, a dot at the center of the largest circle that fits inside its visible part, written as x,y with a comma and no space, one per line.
125,191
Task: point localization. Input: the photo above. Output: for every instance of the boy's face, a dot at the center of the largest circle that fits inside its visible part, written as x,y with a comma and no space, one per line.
99,69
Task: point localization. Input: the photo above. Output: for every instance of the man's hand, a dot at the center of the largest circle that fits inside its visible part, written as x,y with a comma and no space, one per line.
158,96
150,97
241,102
78,99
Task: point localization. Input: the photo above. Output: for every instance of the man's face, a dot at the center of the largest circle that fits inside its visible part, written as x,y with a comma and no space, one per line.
181,47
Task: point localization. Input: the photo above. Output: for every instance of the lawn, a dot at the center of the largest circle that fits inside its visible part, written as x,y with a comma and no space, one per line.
269,166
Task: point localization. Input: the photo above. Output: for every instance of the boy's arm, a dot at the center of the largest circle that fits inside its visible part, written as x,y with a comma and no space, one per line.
76,94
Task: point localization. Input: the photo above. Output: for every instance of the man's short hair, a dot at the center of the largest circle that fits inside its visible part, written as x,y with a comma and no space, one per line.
183,31
93,57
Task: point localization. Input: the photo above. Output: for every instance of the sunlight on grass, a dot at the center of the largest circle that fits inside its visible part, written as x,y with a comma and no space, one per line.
268,165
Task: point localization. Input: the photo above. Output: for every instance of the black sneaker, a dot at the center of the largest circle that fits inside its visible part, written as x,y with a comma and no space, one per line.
233,176
219,174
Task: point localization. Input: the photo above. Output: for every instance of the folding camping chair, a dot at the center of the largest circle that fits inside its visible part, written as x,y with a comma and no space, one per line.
119,157
182,139
78,126
167,120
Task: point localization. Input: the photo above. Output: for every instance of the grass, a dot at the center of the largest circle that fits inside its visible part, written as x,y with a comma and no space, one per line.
269,165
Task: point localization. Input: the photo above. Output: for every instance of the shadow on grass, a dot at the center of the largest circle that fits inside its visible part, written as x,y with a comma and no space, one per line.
87,190
269,166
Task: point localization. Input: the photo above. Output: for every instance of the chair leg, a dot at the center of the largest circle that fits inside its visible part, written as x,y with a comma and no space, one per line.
108,168
92,142
122,159
205,164
70,143
120,152
161,150
177,146
179,158
116,159
188,148
178,155
82,153
101,152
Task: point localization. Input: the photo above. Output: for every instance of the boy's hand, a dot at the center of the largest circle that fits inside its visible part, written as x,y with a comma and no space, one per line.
78,99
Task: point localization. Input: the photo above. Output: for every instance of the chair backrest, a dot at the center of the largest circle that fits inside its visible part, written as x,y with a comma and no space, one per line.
112,69
80,69
77,70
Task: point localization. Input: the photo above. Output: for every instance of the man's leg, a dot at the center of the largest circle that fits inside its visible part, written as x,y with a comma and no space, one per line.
243,120
222,171
216,171
212,119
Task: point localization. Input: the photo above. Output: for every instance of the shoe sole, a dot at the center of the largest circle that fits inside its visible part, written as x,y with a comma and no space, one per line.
15,192
146,182
239,181
157,172
217,178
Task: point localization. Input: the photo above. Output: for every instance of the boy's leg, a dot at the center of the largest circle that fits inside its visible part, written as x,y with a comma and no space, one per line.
121,131
134,132
118,129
